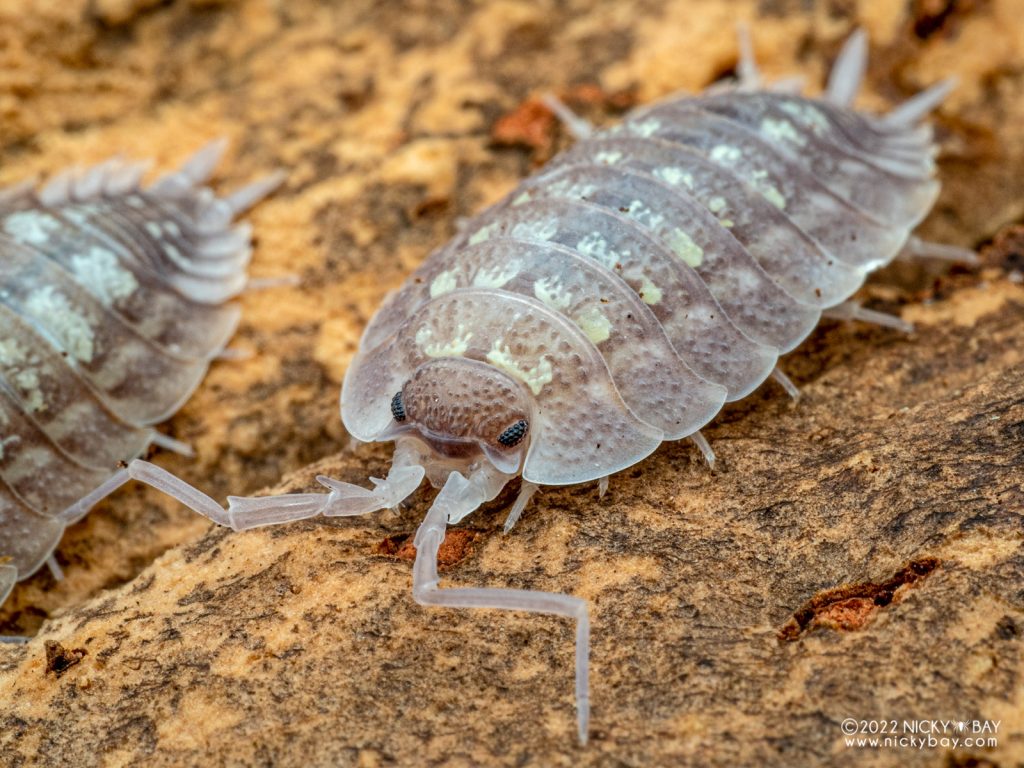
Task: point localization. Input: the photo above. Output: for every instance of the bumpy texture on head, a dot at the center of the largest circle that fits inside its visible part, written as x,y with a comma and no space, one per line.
454,400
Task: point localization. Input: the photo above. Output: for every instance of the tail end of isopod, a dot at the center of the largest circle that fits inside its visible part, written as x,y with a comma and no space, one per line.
8,578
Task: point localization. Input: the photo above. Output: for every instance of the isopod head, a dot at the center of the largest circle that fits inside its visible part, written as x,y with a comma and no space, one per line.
463,410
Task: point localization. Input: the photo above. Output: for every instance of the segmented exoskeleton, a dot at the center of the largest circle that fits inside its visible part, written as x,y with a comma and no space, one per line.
616,300
114,298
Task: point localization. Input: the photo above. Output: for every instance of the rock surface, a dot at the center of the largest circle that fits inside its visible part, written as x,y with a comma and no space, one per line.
855,555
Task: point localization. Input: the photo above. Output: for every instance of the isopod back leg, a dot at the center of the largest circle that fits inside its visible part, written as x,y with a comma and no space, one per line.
848,71
457,498
916,248
852,310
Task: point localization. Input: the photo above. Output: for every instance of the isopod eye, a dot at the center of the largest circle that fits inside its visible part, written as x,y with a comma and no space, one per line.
397,408
514,434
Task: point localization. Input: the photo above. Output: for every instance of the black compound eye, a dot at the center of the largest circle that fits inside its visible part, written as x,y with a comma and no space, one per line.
514,434
397,407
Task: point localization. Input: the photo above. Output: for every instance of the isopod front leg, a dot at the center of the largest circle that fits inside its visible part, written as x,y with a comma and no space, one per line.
254,512
786,383
457,498
343,499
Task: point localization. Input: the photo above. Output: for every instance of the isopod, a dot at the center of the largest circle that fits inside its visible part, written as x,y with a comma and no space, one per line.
114,298
616,300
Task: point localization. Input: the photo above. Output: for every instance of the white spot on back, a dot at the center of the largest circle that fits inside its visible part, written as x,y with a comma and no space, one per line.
645,128
99,271
444,282
17,358
535,377
536,229
716,204
483,234
726,155
643,214
497,276
594,246
685,248
807,114
675,176
455,347
768,190
71,329
570,188
593,322
781,131
30,227
608,156
551,292
649,292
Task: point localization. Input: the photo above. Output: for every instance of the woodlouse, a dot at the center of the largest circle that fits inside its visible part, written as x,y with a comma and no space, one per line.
616,300
114,298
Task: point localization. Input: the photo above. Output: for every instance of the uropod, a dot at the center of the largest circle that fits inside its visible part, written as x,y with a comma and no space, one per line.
616,300
114,299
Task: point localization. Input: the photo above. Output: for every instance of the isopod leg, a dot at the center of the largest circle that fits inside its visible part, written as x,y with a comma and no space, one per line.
266,283
786,383
234,354
578,127
191,497
851,310
916,248
746,69
457,498
847,73
525,494
748,74
168,443
343,499
907,114
55,570
705,448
